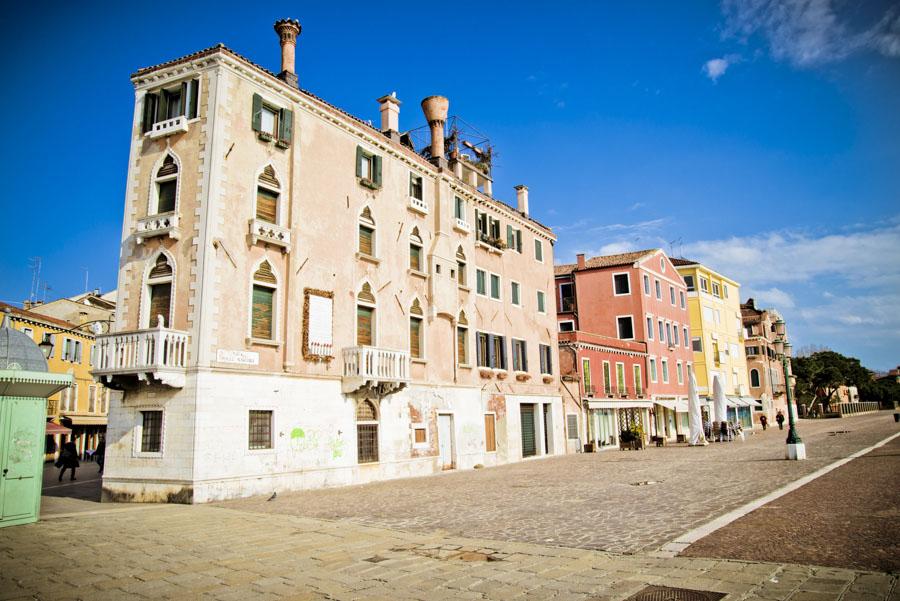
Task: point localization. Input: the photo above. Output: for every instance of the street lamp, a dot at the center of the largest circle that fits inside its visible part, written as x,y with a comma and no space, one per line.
46,347
795,447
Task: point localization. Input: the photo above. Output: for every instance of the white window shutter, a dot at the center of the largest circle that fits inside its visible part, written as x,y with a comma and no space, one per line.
321,310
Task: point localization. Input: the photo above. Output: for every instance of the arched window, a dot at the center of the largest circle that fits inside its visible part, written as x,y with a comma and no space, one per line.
460,266
415,250
366,233
416,331
262,314
159,293
164,194
365,316
366,432
754,378
268,196
462,339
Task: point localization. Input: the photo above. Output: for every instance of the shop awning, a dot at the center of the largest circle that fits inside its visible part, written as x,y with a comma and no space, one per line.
52,428
751,402
681,406
86,420
623,404
668,404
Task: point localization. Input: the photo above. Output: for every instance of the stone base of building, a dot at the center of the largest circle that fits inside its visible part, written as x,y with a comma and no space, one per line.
204,452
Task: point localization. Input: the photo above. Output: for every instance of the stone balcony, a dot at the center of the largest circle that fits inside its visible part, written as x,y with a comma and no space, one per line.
270,233
163,224
418,205
168,127
155,355
375,371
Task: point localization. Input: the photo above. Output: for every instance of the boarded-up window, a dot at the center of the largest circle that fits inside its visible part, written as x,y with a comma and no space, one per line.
260,430
420,435
365,326
266,205
366,432
319,324
160,303
490,433
151,431
415,337
263,306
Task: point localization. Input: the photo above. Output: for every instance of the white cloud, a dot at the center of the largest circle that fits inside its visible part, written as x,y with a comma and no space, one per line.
808,33
772,296
614,248
715,68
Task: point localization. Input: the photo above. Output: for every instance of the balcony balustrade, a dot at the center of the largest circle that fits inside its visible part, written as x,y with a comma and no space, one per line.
270,233
156,355
168,127
375,370
417,204
163,224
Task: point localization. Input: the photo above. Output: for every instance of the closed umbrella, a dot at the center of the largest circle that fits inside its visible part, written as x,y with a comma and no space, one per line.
721,404
695,419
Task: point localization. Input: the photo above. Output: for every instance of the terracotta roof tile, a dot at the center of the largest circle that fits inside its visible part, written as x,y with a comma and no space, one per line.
605,261
38,317
679,262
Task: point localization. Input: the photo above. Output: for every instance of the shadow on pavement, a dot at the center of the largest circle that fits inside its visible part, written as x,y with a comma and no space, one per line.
85,487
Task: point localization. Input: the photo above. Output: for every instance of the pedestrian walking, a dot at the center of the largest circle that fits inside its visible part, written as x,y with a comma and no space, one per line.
100,453
764,422
779,417
68,460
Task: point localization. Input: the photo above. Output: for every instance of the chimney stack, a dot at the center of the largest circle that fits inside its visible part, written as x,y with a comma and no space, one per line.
435,109
288,30
522,198
579,259
390,115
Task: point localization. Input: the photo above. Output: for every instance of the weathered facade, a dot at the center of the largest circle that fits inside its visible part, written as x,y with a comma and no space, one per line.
765,371
306,300
623,325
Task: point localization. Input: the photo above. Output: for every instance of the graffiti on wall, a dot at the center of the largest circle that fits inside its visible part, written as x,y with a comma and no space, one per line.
315,447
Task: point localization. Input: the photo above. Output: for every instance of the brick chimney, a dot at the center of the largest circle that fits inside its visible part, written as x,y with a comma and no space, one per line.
522,198
288,30
390,115
579,260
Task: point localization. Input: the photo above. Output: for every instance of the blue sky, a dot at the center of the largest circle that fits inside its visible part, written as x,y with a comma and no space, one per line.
761,137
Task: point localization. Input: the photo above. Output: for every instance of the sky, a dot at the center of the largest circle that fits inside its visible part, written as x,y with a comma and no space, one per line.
760,137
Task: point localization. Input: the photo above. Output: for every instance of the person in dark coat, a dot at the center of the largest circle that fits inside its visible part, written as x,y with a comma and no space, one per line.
779,417
764,422
68,459
100,453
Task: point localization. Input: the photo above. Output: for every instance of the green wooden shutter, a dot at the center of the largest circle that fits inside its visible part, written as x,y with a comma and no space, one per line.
364,329
263,300
510,239
376,162
518,240
256,118
185,90
359,158
526,413
286,126
150,102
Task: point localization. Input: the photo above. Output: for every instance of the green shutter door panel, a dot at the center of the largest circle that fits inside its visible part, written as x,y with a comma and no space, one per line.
286,125
21,459
527,418
359,158
377,163
150,102
256,118
194,90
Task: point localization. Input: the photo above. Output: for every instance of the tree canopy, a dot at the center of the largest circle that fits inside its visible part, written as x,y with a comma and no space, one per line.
821,374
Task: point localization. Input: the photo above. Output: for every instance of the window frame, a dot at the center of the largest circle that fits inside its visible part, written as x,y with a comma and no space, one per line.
271,427
654,372
145,320
499,297
627,282
276,300
482,282
664,368
412,185
646,279
538,250
618,327
515,293
560,297
376,423
138,447
566,321
153,201
541,301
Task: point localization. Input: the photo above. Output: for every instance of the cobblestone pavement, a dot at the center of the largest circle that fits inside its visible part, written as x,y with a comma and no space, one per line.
590,501
849,517
206,552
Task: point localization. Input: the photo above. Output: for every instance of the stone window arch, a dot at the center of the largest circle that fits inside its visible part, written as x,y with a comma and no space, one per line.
365,316
461,276
754,378
165,188
264,302
367,238
416,330
415,250
462,339
158,293
267,204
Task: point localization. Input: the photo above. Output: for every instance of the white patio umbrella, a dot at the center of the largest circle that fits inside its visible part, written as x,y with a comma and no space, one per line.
698,438
719,400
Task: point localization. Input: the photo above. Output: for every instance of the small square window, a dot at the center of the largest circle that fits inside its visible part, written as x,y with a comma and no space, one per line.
621,284
567,326
260,430
420,435
151,431
625,327
269,120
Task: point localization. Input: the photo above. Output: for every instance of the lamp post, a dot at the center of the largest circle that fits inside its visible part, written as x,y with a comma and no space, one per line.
795,448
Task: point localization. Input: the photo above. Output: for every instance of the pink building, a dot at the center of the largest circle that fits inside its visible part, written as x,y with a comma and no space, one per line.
624,345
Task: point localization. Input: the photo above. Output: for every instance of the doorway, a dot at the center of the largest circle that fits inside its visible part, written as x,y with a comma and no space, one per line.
445,441
529,447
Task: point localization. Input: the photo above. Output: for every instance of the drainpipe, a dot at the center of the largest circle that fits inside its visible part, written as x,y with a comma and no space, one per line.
288,359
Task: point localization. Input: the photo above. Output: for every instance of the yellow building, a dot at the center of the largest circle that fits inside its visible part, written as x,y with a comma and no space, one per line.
82,408
717,336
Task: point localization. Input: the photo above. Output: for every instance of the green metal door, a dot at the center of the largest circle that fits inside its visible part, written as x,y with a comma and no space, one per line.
21,457
528,446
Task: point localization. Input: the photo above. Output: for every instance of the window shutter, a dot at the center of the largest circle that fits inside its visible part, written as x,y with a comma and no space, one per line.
415,337
261,324
266,205
490,438
365,240
320,323
492,352
364,326
510,241
359,158
286,125
150,102
519,240
53,347
77,351
160,301
256,118
194,92
185,99
524,356
376,162
461,345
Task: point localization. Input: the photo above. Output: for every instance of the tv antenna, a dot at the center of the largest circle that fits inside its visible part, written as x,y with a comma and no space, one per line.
34,263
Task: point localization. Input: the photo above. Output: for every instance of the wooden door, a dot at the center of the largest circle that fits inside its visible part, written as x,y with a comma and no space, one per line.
21,459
